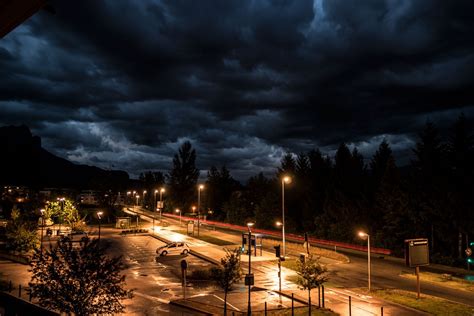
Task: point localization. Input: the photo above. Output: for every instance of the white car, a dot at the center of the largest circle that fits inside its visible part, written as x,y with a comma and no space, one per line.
174,248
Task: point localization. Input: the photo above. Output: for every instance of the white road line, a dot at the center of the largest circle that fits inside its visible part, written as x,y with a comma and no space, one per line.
227,302
151,297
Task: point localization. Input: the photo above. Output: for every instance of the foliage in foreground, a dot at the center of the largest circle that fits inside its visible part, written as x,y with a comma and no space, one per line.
229,273
311,274
21,236
80,280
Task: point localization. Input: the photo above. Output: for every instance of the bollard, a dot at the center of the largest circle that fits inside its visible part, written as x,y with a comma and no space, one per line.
19,290
322,289
292,304
265,308
319,296
381,310
350,305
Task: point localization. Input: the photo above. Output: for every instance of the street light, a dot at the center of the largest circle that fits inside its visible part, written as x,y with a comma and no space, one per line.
284,180
200,187
249,276
162,190
363,235
61,200
137,196
144,195
42,226
128,196
99,216
179,211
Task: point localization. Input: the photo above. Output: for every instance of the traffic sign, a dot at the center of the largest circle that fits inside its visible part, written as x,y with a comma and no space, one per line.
184,264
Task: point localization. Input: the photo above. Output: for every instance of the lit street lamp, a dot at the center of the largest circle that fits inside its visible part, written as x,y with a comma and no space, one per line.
144,195
162,190
128,196
200,187
363,235
137,196
99,216
42,227
179,211
284,180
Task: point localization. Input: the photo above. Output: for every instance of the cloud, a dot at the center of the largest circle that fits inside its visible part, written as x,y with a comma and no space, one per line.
115,82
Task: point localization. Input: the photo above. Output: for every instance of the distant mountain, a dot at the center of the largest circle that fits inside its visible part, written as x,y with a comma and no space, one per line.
24,162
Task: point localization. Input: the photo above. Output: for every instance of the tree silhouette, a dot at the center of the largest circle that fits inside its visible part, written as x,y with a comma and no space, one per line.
183,177
80,280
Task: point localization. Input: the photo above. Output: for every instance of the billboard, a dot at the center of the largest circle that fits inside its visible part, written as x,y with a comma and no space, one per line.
417,252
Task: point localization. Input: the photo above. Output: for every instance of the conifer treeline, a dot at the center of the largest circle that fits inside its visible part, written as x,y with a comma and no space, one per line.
334,198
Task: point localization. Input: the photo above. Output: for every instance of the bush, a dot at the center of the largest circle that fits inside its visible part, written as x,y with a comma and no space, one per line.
201,274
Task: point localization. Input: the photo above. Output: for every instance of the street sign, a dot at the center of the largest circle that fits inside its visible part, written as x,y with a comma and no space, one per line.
417,252
249,279
468,252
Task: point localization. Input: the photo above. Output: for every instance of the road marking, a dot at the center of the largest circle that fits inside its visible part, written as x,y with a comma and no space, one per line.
227,302
152,297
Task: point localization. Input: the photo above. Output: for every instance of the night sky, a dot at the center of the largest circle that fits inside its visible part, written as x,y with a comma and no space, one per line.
120,84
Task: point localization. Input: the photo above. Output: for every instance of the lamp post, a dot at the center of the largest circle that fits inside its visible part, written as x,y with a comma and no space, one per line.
278,223
179,211
162,190
200,187
363,235
249,307
61,200
284,180
42,227
137,196
99,216
144,200
128,196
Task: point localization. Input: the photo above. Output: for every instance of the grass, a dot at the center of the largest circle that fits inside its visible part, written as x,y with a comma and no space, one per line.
426,303
298,248
443,280
299,311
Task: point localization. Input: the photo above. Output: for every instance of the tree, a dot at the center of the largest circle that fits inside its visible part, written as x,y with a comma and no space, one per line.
229,273
63,211
311,274
219,187
80,280
21,236
183,177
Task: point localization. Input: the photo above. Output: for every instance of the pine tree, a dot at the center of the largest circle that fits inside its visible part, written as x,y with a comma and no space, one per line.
183,177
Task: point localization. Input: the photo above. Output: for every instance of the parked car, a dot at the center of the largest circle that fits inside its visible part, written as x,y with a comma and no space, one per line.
174,248
77,236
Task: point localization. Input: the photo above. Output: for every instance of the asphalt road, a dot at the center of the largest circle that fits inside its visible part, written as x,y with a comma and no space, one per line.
385,273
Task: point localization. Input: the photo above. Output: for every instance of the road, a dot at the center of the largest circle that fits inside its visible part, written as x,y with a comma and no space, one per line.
385,273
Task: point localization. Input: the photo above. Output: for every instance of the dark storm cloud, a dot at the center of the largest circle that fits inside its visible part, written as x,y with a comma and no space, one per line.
122,83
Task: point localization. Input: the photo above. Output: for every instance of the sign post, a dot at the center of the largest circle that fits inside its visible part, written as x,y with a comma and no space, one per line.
416,255
184,267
